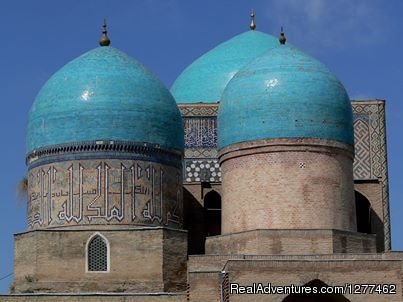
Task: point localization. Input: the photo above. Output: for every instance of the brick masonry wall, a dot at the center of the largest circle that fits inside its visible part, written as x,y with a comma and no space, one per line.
204,286
336,269
287,184
291,242
141,260
339,272
95,298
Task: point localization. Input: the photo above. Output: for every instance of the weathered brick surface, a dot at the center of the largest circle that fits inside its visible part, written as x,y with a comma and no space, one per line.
200,263
291,242
336,269
174,259
204,286
141,260
338,272
95,298
287,184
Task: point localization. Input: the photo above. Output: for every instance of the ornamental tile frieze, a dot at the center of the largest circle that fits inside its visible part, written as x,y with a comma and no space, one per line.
112,191
200,132
198,110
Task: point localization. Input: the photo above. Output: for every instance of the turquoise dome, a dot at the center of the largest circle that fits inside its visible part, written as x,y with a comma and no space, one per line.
104,95
205,79
284,94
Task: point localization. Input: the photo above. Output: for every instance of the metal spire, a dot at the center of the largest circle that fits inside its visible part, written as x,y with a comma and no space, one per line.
104,39
282,37
252,20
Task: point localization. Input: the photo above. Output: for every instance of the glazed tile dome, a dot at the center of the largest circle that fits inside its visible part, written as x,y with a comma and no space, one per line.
205,79
284,94
104,95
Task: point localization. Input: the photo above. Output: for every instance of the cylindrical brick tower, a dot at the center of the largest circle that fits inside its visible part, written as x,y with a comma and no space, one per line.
286,146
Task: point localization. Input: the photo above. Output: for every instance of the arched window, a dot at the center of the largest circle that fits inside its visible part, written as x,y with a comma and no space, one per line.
212,213
363,213
97,254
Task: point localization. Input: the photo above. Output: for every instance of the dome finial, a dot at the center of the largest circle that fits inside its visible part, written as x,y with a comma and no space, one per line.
282,37
104,40
252,20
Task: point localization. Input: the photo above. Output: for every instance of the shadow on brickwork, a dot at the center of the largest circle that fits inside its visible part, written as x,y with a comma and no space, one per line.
368,221
194,223
316,297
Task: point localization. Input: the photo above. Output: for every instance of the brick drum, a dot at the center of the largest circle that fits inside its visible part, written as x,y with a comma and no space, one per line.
109,191
287,184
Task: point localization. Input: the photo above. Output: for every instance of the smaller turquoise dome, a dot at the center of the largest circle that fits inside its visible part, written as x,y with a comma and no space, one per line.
205,79
104,95
284,93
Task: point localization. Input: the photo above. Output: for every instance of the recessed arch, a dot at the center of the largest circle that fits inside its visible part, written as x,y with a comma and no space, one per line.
363,213
318,297
212,213
97,254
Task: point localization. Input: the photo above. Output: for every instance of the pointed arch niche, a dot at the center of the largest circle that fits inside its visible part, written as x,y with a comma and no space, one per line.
97,254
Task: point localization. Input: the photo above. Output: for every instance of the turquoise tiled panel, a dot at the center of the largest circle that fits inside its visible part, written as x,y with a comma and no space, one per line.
205,79
104,95
284,94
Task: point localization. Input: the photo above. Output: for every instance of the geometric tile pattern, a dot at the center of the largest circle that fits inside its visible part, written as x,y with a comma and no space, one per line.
362,159
370,151
205,170
201,153
198,110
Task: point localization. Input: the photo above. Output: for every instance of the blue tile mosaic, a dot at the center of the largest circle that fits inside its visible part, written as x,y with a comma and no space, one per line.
104,95
200,132
205,79
284,94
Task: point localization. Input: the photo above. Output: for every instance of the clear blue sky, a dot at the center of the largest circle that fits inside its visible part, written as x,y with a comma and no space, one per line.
359,40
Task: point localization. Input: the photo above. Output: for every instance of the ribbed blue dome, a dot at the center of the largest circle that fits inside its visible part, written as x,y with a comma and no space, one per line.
205,79
284,94
104,95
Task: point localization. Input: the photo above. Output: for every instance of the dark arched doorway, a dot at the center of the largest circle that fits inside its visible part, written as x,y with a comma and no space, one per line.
194,223
363,213
318,297
212,213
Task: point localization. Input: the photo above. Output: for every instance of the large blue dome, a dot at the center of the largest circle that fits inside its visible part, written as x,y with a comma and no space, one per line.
284,94
104,95
205,79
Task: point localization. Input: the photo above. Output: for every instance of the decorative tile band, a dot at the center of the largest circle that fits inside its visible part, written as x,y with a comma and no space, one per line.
93,192
105,150
199,110
201,153
206,170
